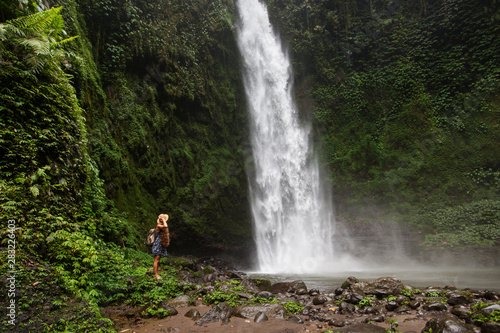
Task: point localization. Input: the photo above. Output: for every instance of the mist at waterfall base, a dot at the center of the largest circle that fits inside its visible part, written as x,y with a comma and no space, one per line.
295,231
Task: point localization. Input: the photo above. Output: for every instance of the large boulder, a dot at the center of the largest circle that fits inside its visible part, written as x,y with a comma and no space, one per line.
384,286
250,311
220,312
448,324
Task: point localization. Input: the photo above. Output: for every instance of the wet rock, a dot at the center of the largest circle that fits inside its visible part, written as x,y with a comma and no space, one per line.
179,301
250,311
402,309
379,319
457,299
490,328
194,314
354,297
260,317
264,294
338,291
371,310
288,287
336,323
301,291
313,292
489,309
460,311
415,304
295,319
171,310
361,328
491,295
384,286
220,312
249,284
448,324
318,300
349,282
263,284
347,308
391,306
435,306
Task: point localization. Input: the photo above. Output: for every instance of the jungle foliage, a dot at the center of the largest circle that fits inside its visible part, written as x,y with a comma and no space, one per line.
407,98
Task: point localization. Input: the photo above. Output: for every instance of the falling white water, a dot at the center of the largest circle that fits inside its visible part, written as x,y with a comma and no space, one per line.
293,215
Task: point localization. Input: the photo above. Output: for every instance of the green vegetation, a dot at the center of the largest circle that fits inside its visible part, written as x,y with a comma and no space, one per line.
367,301
479,317
292,307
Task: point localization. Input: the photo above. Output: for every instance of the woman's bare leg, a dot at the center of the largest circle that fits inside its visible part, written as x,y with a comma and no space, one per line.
155,267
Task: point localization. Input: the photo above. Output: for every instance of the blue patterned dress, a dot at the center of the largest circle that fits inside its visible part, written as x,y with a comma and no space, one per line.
158,248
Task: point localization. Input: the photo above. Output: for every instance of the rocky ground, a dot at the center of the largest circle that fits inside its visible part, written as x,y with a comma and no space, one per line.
257,305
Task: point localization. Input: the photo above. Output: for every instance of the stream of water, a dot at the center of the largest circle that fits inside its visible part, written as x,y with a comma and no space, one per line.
292,211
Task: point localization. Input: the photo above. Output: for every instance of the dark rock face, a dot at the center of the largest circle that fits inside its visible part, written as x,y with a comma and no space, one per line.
490,328
447,324
457,299
220,312
435,306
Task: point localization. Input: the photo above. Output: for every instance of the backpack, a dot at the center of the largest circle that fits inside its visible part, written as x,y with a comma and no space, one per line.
151,237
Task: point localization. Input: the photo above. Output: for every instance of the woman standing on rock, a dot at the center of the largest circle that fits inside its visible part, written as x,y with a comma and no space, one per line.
162,241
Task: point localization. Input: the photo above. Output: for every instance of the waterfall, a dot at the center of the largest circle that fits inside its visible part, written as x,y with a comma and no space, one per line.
292,212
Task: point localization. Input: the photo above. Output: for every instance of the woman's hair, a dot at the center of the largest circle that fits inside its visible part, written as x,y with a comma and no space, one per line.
162,219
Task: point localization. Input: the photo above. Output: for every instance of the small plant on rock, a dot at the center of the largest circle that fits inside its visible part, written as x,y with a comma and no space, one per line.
292,307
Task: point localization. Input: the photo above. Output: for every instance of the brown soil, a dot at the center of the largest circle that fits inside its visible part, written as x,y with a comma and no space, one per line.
180,323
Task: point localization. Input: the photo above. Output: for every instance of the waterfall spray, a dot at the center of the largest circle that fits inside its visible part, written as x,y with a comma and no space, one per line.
292,211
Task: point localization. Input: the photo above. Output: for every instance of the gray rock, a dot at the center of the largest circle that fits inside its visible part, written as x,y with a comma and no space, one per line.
194,314
179,301
391,306
250,311
447,324
249,284
385,286
264,294
318,300
347,308
349,282
172,311
295,319
260,317
220,312
489,309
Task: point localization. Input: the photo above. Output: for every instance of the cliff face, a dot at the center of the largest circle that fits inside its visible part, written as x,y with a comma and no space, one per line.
163,127
168,127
